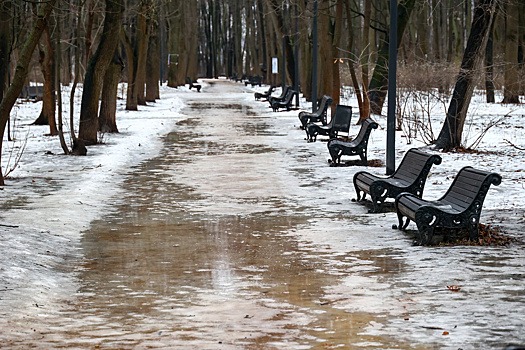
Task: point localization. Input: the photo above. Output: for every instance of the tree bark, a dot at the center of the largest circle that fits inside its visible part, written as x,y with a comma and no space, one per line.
153,66
47,62
489,66
451,132
379,83
108,105
511,87
12,93
97,67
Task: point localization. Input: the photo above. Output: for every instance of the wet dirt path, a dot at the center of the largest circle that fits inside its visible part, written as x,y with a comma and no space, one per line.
200,253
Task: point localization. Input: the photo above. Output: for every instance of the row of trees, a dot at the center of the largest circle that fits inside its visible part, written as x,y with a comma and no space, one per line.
144,42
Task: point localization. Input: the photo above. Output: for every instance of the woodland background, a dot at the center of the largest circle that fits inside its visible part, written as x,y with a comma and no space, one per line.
447,48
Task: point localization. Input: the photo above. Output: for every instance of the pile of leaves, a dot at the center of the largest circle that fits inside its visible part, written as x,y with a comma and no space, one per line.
489,235
375,163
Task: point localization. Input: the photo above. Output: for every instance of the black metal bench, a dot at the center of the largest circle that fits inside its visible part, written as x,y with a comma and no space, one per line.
32,92
253,80
319,115
460,207
284,103
192,84
281,97
409,177
340,122
356,147
266,95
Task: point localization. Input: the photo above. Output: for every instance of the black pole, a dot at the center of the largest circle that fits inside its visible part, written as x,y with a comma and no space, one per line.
296,59
392,73
283,63
314,59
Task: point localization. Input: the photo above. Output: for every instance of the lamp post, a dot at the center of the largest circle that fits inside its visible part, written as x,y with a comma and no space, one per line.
314,59
296,54
392,73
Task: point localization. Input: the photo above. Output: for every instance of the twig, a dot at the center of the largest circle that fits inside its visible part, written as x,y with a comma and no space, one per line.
513,145
12,226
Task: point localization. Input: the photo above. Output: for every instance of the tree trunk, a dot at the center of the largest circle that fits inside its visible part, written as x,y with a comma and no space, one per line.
47,62
511,87
97,67
336,78
141,49
379,83
108,105
21,71
489,66
451,132
153,66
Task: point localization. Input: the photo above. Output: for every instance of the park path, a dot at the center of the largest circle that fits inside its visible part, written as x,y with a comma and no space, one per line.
238,237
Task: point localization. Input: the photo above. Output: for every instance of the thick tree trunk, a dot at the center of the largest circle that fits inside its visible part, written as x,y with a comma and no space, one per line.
17,83
108,105
5,40
141,49
47,62
512,84
153,67
96,70
451,132
489,66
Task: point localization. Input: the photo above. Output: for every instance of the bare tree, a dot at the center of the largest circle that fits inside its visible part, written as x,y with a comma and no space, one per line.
9,98
452,130
97,67
512,84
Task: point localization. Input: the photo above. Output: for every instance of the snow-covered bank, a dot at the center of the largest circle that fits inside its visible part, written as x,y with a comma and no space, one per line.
50,198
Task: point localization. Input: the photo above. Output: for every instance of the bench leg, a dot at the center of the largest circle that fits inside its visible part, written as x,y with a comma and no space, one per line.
364,159
304,121
378,205
402,225
335,155
473,228
358,193
426,222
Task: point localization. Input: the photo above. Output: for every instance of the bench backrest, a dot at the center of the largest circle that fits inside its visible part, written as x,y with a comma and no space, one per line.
469,188
364,132
343,115
284,92
323,105
415,166
289,95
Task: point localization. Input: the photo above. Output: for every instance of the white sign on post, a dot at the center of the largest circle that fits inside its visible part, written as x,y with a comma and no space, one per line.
275,65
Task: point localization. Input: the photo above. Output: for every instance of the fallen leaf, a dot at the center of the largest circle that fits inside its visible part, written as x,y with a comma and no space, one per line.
454,288
445,333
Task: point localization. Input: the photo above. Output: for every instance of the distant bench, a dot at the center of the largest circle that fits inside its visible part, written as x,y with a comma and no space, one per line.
460,207
355,147
285,102
253,80
266,94
340,122
319,115
32,92
193,84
